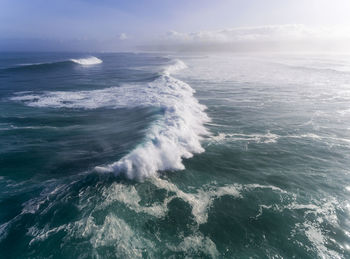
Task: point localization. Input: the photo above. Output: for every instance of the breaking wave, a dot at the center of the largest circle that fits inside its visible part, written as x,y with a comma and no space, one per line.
87,61
173,137
82,61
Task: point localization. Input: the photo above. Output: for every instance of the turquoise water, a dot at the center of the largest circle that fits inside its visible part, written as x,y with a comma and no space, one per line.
160,156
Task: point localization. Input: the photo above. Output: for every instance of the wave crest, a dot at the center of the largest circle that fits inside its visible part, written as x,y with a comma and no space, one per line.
176,66
87,61
174,137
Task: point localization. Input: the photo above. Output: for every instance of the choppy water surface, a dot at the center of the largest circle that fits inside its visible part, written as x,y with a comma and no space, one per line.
154,156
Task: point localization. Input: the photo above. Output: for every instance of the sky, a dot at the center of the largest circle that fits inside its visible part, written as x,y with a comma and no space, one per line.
184,25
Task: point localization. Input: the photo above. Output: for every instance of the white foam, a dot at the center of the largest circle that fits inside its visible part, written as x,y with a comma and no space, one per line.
192,245
4,230
259,186
258,138
116,233
316,215
44,233
175,136
177,66
128,195
199,201
314,233
273,138
87,61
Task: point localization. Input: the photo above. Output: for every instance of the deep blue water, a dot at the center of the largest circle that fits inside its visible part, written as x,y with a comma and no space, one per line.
160,156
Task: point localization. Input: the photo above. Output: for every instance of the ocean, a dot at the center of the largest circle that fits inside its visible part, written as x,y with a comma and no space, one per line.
153,155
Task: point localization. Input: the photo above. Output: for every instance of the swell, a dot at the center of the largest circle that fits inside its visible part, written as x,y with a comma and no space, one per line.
175,136
55,64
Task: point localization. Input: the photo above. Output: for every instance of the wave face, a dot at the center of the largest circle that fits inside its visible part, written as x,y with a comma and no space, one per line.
176,135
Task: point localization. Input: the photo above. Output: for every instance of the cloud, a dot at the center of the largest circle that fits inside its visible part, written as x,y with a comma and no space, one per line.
123,36
289,37
261,33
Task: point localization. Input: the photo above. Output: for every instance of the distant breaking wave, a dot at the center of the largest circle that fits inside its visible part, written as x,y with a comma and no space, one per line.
82,61
176,135
87,61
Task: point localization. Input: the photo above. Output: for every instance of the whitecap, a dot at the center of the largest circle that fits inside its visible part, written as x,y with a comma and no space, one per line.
87,61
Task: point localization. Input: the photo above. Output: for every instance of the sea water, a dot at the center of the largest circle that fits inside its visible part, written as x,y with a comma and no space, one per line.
129,155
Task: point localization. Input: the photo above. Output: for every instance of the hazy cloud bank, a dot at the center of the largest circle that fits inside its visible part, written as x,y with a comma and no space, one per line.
272,38
290,37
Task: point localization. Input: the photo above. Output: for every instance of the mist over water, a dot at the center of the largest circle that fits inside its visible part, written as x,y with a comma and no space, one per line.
146,155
